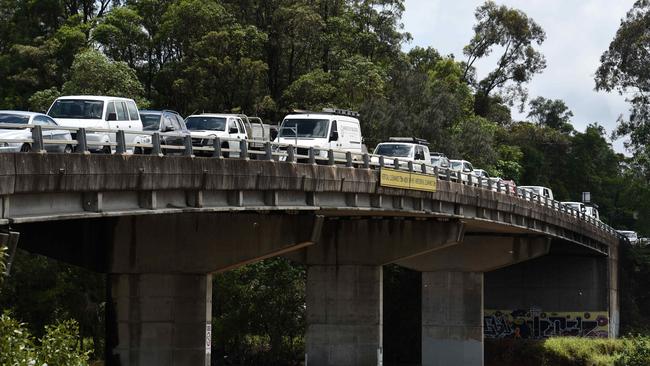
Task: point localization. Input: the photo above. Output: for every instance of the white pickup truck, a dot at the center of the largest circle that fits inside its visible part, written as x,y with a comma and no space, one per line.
406,149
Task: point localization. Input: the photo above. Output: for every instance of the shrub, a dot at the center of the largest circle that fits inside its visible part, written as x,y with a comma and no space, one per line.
637,352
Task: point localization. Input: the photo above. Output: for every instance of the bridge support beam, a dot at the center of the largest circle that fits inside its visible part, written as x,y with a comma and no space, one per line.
344,315
159,319
452,318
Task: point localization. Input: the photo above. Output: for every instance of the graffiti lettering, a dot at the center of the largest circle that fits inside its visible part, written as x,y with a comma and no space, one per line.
537,324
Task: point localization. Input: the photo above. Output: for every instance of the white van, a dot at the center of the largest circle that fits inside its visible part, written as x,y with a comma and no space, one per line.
581,207
331,129
536,191
89,111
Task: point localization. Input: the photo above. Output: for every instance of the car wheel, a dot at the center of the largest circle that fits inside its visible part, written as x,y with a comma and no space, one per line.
225,146
26,148
138,151
106,150
67,149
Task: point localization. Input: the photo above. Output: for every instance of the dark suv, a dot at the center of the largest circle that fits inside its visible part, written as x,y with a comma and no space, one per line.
169,124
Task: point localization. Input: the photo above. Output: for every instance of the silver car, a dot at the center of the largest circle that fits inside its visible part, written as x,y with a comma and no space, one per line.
30,118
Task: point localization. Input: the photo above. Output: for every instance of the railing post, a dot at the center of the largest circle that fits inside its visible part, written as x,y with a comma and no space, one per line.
469,179
291,155
410,165
243,149
187,140
312,155
435,171
120,149
155,144
423,168
396,163
348,159
366,161
330,157
82,143
268,153
381,161
37,137
216,146
489,184
499,187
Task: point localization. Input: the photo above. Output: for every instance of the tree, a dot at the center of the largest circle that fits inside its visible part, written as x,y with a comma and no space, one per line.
624,68
551,113
516,34
93,73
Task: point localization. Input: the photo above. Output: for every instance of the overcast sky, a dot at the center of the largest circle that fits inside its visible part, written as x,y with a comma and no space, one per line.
577,33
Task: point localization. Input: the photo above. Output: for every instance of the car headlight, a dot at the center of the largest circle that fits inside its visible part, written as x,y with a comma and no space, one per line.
146,139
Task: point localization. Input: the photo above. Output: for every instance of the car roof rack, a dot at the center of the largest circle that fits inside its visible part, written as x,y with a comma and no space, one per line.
413,140
335,111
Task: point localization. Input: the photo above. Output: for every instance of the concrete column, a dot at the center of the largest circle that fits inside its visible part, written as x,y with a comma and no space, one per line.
159,319
452,318
344,315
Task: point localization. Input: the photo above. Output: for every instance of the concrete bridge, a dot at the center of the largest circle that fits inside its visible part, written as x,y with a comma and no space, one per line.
161,226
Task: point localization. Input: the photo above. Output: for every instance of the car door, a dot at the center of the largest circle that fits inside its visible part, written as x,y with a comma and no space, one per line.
233,137
334,138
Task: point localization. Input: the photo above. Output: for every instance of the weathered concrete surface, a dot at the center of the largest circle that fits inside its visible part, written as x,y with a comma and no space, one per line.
480,253
552,283
159,319
344,315
452,318
367,241
82,186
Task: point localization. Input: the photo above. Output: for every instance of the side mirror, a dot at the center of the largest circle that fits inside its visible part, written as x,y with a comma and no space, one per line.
334,136
233,130
168,128
112,116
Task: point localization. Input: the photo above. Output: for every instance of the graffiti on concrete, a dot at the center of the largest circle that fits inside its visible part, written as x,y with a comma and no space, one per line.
535,324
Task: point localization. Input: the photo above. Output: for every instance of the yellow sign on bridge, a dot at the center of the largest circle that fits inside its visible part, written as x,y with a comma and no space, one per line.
407,180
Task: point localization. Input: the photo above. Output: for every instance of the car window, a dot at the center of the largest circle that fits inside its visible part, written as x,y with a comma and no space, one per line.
122,114
133,111
42,121
175,121
181,122
167,122
77,109
232,124
469,166
110,109
240,124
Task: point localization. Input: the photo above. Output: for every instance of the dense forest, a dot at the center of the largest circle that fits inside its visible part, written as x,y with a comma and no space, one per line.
265,58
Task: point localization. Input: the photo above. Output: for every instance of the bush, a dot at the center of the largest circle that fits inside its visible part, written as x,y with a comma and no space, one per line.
637,352
59,346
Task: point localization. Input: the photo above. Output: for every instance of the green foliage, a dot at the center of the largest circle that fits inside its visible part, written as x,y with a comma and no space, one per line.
514,32
92,73
637,353
551,113
59,345
259,313
43,99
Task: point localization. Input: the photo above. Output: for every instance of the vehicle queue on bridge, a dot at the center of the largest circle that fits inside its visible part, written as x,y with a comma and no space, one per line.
103,124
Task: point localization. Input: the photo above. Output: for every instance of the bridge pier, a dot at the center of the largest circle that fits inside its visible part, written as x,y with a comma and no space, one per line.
159,319
452,318
344,315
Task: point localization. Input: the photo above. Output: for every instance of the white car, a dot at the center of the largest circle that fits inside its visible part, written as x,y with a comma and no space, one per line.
439,160
536,191
334,129
406,149
101,112
463,168
632,236
31,118
205,127
581,207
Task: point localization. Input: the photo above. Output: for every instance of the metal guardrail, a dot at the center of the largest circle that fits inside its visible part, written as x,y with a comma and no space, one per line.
214,147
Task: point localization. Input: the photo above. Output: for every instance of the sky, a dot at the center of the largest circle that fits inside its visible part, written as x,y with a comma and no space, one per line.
577,33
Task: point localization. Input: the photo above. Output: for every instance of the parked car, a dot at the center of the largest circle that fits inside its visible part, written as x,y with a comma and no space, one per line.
505,184
580,207
461,168
31,118
406,149
439,160
335,129
169,124
630,235
536,191
204,128
90,111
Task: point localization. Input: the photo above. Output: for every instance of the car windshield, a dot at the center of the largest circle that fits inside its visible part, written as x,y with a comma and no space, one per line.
77,108
304,127
206,123
457,165
396,150
150,121
13,118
